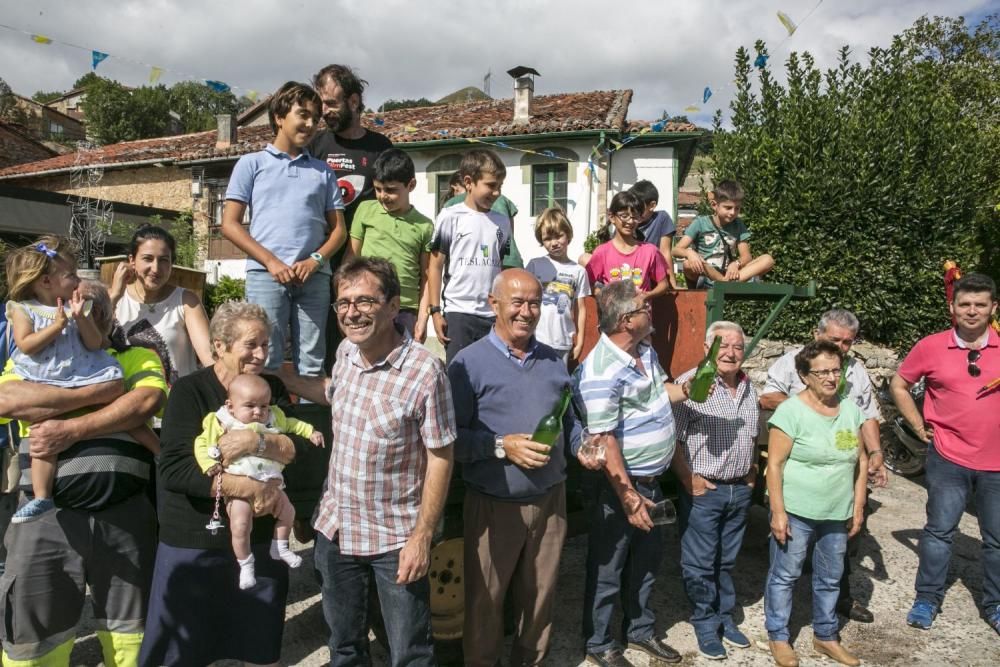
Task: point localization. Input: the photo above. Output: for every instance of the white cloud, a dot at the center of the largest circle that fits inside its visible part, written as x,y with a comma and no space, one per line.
667,52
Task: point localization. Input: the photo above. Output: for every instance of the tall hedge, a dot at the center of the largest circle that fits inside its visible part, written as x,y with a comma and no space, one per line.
867,176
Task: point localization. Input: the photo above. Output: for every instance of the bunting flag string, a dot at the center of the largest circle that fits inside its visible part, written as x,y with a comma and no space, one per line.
217,86
760,62
788,23
155,71
97,58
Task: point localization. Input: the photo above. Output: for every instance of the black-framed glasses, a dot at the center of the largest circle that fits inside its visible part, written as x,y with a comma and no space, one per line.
973,357
826,373
364,305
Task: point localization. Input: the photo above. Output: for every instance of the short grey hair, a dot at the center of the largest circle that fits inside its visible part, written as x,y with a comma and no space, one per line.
100,308
840,317
501,277
226,324
615,299
722,325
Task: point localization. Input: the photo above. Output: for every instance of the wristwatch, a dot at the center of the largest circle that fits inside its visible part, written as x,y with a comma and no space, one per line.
318,258
431,310
261,444
498,449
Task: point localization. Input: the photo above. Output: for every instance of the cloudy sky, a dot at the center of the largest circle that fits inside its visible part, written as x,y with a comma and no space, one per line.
666,51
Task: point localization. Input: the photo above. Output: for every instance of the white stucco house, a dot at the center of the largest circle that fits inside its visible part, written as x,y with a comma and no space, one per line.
574,149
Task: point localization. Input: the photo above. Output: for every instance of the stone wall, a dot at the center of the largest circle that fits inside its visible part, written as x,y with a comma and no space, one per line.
15,149
160,187
881,362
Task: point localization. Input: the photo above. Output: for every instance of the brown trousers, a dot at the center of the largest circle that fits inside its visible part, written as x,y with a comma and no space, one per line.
517,546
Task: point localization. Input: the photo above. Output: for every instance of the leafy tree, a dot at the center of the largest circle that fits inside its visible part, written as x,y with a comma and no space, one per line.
391,105
6,99
198,105
115,113
867,177
86,81
43,96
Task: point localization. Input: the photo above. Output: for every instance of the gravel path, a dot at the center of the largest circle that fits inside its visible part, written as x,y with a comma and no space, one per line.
884,579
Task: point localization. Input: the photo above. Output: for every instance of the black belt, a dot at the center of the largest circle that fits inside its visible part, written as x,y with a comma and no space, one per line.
733,480
412,311
649,479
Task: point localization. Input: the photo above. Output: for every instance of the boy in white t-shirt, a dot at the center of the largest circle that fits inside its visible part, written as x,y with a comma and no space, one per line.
564,283
467,249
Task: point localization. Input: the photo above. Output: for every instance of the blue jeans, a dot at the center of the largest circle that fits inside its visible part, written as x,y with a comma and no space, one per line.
712,533
622,561
830,539
305,308
948,488
406,609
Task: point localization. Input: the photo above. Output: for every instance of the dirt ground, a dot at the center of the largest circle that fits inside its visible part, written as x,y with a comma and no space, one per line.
883,579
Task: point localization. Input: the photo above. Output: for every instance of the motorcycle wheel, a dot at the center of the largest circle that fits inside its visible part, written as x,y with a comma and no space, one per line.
901,460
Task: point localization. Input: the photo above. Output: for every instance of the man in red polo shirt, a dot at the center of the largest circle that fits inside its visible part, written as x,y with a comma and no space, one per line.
964,421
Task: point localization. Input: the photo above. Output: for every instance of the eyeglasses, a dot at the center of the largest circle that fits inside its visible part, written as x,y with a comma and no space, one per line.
363,304
826,373
624,217
644,308
973,369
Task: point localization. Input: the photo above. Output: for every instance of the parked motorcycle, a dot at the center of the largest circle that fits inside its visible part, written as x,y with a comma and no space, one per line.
905,453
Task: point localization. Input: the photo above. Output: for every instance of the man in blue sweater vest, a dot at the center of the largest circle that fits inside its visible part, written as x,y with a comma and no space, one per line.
515,498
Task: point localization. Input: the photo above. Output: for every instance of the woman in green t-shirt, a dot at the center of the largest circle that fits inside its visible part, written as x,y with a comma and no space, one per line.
817,497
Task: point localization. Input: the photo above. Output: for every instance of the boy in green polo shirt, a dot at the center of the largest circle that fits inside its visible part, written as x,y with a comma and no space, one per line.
391,228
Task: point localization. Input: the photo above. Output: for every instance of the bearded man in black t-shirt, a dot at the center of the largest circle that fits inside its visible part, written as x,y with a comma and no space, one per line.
345,146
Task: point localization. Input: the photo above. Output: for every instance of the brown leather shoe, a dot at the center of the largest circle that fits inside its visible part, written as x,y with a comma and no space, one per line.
834,649
783,654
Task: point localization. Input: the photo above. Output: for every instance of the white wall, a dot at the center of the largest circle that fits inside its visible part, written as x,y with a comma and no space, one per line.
628,165
217,268
653,163
517,188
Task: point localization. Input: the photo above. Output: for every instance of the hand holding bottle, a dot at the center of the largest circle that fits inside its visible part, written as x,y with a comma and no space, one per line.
524,452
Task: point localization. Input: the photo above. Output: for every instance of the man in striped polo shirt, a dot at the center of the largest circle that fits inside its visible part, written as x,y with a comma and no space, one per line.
715,462
622,392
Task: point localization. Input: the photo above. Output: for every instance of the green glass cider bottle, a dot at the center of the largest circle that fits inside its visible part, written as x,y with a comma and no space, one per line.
705,374
550,426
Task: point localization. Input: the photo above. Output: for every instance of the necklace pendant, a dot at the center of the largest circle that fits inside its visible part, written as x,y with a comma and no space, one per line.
151,307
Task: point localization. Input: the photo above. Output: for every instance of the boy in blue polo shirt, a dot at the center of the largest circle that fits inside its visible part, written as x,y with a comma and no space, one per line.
296,224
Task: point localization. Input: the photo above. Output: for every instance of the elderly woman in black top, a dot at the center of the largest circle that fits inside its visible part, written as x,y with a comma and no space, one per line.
197,612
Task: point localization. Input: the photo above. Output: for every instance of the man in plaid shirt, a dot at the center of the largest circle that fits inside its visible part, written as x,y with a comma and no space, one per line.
715,461
390,464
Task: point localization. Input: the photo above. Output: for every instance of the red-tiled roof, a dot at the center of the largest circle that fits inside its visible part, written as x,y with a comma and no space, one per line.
568,112
665,126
